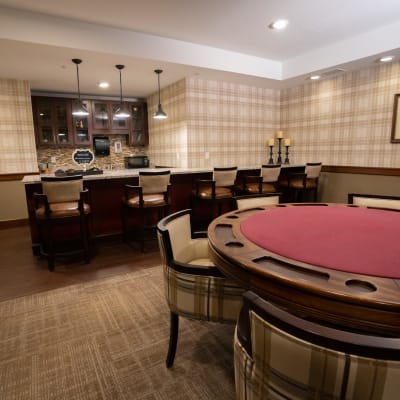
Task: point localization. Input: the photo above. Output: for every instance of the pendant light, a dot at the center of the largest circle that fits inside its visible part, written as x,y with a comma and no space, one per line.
122,110
78,107
159,114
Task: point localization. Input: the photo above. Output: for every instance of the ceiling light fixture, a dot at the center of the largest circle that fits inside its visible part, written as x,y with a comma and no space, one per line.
122,110
159,114
386,59
278,24
315,77
104,85
78,107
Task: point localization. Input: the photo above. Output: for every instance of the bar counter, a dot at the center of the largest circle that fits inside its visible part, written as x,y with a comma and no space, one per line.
107,189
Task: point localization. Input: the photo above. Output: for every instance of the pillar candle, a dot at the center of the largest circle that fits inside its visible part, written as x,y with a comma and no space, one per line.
271,142
286,142
279,134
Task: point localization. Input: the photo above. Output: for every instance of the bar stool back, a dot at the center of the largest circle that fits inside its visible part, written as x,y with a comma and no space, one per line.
148,201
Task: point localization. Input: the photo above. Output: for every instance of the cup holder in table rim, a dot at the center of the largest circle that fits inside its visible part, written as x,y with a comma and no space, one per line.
234,244
362,286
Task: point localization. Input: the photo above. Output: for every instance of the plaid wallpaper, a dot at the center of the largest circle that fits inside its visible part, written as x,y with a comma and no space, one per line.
342,120
212,123
17,139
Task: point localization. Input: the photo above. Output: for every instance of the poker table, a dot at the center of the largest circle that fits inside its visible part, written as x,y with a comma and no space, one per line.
337,264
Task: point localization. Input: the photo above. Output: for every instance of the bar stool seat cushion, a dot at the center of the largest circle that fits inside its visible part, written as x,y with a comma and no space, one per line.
149,200
61,210
298,184
253,188
220,193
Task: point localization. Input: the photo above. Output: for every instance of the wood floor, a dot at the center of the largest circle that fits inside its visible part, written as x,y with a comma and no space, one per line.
22,273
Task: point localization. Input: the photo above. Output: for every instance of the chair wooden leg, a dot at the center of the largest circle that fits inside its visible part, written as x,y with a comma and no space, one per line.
173,338
50,250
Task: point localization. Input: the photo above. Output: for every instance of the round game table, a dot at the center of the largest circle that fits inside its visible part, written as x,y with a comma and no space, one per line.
334,263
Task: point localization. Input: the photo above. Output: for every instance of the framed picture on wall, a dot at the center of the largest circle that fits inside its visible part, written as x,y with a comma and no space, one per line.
396,122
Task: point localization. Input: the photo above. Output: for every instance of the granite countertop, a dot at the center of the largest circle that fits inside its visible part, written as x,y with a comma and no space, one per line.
119,173
126,173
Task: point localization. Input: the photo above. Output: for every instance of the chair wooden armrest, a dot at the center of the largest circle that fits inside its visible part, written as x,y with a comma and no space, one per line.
132,191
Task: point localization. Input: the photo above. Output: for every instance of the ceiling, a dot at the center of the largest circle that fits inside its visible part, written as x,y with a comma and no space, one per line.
217,39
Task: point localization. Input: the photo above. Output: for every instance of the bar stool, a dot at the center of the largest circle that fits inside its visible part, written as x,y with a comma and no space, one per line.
148,202
214,193
60,210
301,184
266,182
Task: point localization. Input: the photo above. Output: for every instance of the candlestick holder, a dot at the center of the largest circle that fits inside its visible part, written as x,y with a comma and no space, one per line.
279,159
271,160
287,155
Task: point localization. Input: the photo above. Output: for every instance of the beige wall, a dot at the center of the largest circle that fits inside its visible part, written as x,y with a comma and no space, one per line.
344,120
17,143
334,187
212,123
17,139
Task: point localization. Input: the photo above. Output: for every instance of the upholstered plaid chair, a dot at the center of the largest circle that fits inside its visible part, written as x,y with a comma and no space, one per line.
281,356
148,202
212,194
255,200
62,207
374,201
194,287
266,182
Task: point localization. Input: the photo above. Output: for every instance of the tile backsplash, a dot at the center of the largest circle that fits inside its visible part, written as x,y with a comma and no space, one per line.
63,156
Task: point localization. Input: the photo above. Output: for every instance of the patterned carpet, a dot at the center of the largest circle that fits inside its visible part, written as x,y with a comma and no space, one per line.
108,339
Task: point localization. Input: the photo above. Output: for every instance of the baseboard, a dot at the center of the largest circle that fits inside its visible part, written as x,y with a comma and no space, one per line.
14,223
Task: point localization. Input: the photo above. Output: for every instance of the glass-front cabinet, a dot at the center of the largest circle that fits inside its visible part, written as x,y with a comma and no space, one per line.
53,124
81,126
104,119
139,135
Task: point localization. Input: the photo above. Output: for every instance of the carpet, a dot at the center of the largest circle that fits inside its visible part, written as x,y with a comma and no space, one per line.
107,339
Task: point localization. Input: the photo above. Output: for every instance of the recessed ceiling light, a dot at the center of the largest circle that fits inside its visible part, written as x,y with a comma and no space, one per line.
104,85
315,77
386,58
278,24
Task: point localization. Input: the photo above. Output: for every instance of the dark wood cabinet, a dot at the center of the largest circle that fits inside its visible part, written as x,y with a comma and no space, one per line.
52,118
55,125
139,135
104,120
81,126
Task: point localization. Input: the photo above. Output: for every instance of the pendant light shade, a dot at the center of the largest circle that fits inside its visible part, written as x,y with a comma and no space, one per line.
78,108
159,114
122,110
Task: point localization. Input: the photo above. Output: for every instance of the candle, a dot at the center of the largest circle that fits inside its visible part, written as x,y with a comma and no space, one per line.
286,142
279,134
271,142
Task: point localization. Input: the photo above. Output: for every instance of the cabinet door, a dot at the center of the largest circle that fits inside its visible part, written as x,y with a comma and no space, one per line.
139,135
81,127
53,121
119,125
101,115
104,119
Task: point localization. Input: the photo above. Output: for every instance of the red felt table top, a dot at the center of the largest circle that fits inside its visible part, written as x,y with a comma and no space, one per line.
358,240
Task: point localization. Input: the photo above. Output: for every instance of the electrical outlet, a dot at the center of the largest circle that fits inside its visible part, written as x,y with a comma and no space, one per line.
53,160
